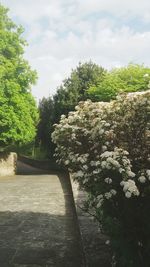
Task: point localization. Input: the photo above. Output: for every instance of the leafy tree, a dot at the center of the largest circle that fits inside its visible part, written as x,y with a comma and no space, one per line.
66,98
46,120
18,111
126,79
74,89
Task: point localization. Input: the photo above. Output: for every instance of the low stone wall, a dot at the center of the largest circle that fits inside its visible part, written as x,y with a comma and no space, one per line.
96,251
8,163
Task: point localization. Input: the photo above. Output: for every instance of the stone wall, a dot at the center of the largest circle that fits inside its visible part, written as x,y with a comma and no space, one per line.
8,163
97,253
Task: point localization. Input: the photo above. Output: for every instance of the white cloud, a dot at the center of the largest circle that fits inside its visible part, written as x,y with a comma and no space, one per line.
32,10
116,7
61,33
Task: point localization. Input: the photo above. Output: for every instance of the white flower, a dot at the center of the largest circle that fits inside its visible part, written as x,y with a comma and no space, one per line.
107,124
130,187
81,159
96,171
122,183
93,163
99,204
100,197
110,160
97,163
107,242
113,192
107,143
107,154
85,167
130,174
101,131
73,136
108,195
121,170
104,148
116,164
79,174
136,193
108,166
108,180
128,194
140,244
78,143
126,153
66,162
126,186
63,117
142,179
103,164
148,174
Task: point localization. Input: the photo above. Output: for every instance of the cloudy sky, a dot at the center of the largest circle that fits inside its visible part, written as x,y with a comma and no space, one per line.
60,33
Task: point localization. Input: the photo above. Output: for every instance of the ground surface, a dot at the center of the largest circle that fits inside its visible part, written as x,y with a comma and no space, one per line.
97,253
38,226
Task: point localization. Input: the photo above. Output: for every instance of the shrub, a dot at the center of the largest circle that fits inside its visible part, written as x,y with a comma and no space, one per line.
106,149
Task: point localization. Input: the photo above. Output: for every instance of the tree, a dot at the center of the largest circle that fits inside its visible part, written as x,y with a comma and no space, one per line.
18,111
70,92
45,125
132,78
74,89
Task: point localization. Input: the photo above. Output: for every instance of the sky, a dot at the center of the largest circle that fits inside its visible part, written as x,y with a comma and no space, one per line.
62,33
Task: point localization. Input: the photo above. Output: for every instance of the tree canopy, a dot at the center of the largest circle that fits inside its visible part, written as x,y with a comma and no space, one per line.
131,78
67,96
75,87
46,120
18,111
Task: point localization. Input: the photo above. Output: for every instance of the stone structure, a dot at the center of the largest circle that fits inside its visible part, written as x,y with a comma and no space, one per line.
97,253
8,163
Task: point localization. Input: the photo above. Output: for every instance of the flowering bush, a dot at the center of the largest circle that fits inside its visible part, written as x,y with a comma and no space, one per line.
106,148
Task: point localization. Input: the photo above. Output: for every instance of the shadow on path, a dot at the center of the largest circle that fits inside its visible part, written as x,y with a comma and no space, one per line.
38,221
37,239
25,169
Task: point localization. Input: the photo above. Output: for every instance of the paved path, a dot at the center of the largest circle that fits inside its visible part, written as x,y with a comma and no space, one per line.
38,226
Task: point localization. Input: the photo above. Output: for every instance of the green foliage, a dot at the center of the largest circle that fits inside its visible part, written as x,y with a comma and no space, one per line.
18,112
106,148
45,125
132,78
88,81
74,89
66,98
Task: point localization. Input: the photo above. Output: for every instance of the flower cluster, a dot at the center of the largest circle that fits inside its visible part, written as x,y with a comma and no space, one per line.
88,142
130,188
106,148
